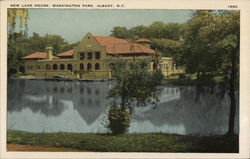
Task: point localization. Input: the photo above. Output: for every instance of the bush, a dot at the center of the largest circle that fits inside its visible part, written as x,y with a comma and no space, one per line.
118,120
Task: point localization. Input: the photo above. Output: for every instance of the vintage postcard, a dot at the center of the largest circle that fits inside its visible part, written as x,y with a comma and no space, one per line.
125,79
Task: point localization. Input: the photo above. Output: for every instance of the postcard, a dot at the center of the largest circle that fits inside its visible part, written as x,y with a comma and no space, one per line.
125,79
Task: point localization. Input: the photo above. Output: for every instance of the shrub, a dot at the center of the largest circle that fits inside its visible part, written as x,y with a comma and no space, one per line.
118,120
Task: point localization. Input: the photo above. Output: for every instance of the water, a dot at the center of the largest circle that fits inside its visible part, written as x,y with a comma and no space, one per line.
74,106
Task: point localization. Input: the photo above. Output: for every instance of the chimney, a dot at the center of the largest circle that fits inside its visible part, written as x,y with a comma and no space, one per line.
49,51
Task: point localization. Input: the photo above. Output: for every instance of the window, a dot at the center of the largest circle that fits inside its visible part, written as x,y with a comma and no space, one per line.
89,67
89,55
81,55
97,55
69,67
55,67
38,67
81,66
97,66
62,67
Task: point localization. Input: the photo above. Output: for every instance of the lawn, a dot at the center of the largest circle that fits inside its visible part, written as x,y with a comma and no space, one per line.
146,142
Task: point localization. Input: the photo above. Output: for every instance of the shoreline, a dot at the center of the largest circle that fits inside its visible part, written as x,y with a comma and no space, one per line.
130,142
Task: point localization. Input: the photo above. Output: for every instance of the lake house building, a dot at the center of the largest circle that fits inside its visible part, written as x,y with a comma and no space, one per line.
92,57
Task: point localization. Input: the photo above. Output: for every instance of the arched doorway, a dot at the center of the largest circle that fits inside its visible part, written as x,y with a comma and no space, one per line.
62,67
97,66
154,66
55,67
69,67
89,67
81,67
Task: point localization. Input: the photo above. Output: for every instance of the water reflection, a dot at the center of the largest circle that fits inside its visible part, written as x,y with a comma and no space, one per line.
75,106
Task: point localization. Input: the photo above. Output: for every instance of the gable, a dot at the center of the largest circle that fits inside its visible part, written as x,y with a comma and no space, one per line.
88,44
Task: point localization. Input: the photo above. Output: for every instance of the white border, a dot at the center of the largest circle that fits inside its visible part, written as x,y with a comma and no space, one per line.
243,5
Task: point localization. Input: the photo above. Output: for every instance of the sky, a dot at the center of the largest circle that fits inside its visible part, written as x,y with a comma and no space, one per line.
73,24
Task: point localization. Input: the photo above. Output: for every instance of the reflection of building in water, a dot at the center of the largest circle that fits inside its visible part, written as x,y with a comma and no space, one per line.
88,98
168,93
32,97
205,116
165,94
178,106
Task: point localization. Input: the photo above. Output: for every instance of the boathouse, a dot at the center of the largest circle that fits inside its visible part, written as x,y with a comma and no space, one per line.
92,57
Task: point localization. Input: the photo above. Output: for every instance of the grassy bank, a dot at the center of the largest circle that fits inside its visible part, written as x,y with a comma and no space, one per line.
189,81
148,142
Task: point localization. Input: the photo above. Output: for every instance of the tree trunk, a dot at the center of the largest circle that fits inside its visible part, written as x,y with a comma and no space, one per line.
232,91
232,111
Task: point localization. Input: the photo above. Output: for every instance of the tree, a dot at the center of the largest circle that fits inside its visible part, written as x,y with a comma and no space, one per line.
20,45
17,46
120,32
166,37
168,48
173,31
57,42
19,15
136,86
212,41
137,32
15,51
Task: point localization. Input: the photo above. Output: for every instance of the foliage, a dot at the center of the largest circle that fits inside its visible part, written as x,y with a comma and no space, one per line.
19,45
165,37
206,40
19,15
15,52
120,32
212,41
135,84
161,30
132,142
158,30
118,120
39,43
168,48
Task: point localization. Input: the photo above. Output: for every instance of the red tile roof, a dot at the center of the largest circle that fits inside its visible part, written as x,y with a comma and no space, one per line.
143,40
67,53
131,48
113,46
121,46
37,55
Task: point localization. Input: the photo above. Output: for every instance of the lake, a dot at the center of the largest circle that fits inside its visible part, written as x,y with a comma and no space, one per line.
80,106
